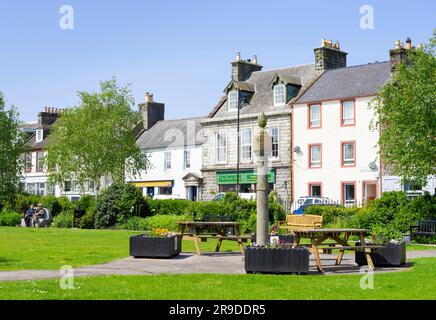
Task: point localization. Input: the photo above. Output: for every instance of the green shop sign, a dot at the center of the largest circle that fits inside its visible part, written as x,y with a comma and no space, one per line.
245,177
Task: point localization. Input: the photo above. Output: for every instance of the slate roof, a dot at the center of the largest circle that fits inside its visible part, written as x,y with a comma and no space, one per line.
31,143
355,81
263,99
171,133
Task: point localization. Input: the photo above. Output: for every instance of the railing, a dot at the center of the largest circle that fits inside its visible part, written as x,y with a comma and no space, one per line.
295,206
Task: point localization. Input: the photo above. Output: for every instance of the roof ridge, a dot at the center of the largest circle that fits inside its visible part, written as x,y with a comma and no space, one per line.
359,65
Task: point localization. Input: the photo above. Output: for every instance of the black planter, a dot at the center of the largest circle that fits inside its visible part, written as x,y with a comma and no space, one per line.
155,247
392,255
276,260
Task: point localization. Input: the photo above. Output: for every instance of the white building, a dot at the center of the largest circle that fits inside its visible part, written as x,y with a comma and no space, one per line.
174,154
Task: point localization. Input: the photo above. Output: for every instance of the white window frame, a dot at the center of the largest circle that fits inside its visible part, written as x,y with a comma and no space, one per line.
232,99
269,130
348,121
217,160
282,95
353,159
312,163
246,144
39,135
344,188
167,161
186,159
311,124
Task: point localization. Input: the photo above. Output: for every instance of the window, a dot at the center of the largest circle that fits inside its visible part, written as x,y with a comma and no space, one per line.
315,116
76,186
279,94
347,113
32,188
91,186
315,156
67,186
246,140
166,190
348,154
348,193
221,147
167,161
39,157
274,133
233,100
41,188
39,135
28,161
187,159
315,189
50,189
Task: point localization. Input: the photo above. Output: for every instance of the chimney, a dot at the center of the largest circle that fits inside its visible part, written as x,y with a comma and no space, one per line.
242,70
399,53
329,56
48,116
151,111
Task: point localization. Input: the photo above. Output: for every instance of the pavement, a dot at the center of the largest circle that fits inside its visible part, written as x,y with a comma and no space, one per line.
208,263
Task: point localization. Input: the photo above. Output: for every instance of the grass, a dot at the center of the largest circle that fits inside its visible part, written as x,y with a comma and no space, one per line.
417,283
50,248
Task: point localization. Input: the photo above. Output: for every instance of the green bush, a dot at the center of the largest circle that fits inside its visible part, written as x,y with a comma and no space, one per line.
169,222
23,202
198,210
63,219
85,202
10,218
88,220
164,207
117,204
52,204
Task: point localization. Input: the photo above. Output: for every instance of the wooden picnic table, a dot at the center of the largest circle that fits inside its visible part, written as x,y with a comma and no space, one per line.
224,230
340,238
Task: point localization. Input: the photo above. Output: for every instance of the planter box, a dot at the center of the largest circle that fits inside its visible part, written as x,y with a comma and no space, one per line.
283,239
155,247
276,260
392,255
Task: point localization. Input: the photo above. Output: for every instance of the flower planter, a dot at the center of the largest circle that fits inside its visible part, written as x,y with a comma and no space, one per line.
283,239
392,255
155,247
276,260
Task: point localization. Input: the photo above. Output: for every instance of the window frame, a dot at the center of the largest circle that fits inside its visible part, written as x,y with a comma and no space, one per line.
309,155
39,167
309,126
269,130
343,165
229,100
309,188
217,160
277,86
28,156
343,184
167,161
186,159
39,135
250,145
342,113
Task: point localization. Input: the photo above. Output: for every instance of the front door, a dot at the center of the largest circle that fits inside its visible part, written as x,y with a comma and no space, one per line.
369,191
192,193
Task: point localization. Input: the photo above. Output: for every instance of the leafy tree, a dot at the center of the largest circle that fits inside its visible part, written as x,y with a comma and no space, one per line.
11,153
406,113
96,139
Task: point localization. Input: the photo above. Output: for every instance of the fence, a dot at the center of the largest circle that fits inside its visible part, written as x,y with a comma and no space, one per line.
298,206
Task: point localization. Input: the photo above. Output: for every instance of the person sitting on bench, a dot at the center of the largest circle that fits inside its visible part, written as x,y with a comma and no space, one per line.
38,214
29,215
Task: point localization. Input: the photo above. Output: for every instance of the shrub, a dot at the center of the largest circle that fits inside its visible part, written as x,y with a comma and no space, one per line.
116,204
52,204
10,218
65,203
63,219
164,207
88,220
23,202
198,210
169,222
85,202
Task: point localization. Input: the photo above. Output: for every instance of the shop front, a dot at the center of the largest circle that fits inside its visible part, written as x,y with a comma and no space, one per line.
152,188
227,180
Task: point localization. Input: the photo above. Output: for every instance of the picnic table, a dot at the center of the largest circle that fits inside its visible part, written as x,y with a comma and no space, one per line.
203,230
340,237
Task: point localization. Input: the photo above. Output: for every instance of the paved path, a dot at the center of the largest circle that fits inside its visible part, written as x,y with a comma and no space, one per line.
221,263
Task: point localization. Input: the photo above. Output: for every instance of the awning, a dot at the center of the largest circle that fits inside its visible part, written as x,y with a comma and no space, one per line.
143,184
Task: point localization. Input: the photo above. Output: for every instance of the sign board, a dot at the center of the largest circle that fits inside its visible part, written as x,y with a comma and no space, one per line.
245,177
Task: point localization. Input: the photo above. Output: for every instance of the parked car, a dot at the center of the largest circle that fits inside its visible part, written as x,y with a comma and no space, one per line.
242,195
304,202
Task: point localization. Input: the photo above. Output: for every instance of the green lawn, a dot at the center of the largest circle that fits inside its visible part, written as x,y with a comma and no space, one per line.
418,283
50,248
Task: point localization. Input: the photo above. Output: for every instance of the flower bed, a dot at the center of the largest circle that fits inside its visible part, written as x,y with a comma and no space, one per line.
393,255
157,244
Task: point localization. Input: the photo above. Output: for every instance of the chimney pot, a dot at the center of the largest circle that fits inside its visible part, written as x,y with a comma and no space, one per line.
255,59
238,56
397,44
148,97
408,43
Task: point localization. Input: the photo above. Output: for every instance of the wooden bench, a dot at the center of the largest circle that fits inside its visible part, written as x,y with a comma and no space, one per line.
301,222
425,228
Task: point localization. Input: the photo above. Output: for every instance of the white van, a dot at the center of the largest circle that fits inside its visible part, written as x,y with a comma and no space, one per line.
247,196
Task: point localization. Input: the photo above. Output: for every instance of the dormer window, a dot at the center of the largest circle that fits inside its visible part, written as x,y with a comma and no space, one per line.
39,135
233,100
279,94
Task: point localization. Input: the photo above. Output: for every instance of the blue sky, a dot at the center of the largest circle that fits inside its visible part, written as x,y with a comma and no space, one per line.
181,50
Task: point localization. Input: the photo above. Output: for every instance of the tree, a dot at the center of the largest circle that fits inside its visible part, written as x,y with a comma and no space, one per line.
405,111
11,153
96,138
